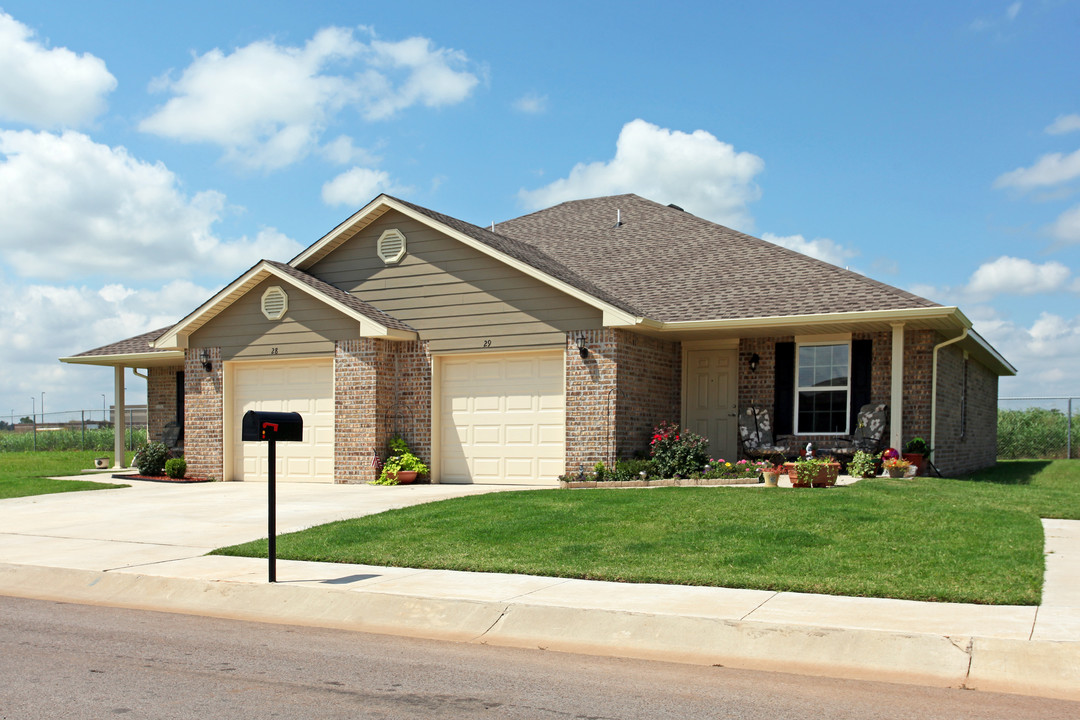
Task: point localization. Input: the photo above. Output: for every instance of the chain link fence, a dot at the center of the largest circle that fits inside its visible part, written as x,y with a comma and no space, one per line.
70,430
1036,428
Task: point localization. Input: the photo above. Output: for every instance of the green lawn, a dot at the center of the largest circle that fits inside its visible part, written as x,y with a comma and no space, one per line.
27,473
970,540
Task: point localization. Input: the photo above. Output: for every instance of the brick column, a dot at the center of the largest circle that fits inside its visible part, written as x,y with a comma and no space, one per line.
203,414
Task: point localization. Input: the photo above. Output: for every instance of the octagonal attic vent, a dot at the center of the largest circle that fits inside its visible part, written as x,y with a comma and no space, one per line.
274,303
392,246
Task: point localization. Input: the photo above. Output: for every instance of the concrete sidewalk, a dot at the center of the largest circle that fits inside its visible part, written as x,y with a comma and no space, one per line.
145,547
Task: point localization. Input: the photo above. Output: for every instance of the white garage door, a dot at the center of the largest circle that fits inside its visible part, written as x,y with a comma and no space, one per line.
503,419
302,386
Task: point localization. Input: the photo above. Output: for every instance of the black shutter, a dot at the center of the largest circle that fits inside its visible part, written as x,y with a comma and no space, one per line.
180,398
784,389
862,353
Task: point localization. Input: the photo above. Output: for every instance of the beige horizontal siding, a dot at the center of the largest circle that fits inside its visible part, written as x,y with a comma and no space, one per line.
455,297
309,328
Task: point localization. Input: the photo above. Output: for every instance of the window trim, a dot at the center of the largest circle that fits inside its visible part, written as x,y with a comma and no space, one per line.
797,389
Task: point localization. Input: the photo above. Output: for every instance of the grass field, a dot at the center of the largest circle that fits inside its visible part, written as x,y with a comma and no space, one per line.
969,540
28,473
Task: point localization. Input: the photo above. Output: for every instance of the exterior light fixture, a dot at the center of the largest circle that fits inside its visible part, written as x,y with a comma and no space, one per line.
754,360
582,350
206,362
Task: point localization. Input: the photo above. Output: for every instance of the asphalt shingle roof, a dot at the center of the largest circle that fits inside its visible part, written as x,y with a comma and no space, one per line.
130,346
673,266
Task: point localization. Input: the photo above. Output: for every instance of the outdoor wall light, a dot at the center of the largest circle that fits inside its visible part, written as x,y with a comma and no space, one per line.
584,351
206,363
754,360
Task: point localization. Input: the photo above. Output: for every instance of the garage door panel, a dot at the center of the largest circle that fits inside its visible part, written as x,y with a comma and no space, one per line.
502,419
487,435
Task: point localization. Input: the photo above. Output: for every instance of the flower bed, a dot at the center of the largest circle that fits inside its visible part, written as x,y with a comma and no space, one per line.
161,478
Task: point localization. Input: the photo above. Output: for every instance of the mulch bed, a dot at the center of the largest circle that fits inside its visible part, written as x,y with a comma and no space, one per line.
162,478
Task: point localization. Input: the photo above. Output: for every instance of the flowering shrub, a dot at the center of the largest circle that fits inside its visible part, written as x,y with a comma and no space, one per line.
678,453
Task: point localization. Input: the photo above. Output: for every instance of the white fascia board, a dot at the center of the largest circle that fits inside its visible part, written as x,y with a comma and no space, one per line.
179,332
136,360
613,316
986,347
329,237
822,319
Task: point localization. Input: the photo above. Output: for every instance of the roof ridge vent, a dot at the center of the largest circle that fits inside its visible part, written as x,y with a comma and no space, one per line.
675,207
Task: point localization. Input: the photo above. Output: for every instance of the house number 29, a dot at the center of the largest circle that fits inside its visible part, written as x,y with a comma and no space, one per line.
487,343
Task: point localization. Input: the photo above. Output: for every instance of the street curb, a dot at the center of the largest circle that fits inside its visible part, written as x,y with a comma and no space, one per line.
1042,668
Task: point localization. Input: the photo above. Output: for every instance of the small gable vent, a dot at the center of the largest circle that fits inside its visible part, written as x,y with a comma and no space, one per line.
392,246
274,303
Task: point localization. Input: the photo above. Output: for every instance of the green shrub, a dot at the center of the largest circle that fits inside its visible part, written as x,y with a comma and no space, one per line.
678,453
176,468
631,469
67,439
150,458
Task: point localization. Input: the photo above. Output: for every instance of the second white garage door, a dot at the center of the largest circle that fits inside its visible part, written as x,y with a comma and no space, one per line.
303,386
503,419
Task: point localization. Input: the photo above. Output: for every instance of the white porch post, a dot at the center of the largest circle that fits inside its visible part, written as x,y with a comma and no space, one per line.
896,401
118,424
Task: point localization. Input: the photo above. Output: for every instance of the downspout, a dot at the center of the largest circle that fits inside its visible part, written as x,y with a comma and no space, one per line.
933,389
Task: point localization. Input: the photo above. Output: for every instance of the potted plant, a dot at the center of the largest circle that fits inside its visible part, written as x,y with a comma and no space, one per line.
813,472
916,451
864,464
897,467
768,471
402,467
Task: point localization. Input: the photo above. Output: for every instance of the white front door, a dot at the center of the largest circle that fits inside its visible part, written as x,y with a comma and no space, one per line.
712,399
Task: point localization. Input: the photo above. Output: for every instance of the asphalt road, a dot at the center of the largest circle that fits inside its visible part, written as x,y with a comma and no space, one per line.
64,661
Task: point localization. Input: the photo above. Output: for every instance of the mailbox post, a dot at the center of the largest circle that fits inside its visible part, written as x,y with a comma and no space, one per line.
269,427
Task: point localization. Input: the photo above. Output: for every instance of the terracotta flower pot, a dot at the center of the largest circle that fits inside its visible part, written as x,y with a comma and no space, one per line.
826,476
403,477
916,459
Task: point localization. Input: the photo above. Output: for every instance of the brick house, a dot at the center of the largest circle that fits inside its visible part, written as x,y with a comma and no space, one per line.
515,353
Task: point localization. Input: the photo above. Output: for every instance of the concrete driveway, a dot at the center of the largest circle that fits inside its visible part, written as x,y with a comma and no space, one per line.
157,522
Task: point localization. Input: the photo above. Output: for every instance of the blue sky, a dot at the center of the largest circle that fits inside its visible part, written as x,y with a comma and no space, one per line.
150,153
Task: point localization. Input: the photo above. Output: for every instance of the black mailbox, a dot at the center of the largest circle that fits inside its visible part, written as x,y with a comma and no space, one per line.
267,426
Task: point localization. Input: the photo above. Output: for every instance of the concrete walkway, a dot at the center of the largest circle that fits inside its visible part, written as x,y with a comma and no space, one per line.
145,547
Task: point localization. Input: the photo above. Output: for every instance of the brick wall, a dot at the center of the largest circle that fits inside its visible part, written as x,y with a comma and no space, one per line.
203,415
650,389
966,414
161,399
627,385
590,399
381,389
757,388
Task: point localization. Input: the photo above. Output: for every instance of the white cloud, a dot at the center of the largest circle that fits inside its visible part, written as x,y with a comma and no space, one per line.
48,87
820,248
1064,124
1016,276
359,185
342,151
1050,169
268,105
70,207
696,171
1067,227
43,322
981,24
531,103
432,76
1044,354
